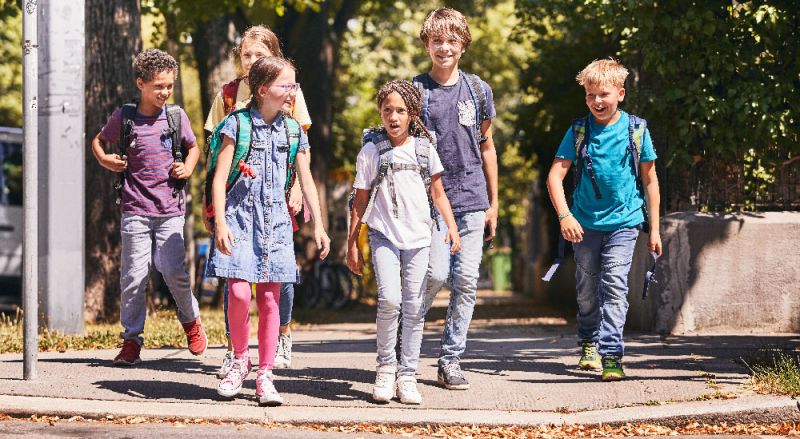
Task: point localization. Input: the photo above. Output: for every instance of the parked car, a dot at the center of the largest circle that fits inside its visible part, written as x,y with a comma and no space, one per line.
10,214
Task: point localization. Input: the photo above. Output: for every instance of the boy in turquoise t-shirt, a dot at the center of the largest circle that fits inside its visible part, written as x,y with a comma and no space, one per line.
607,211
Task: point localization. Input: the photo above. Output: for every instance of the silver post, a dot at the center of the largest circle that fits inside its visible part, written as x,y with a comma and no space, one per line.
30,245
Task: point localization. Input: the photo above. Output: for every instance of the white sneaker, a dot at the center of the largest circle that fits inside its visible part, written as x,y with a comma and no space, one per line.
283,358
383,391
265,389
227,360
231,385
407,390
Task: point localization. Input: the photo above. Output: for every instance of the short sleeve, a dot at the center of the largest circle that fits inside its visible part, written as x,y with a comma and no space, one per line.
491,111
366,167
303,144
436,162
231,128
566,150
300,110
648,150
111,130
216,114
187,135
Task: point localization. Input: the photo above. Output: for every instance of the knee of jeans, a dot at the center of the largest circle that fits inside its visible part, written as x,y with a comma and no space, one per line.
465,282
388,305
437,275
585,270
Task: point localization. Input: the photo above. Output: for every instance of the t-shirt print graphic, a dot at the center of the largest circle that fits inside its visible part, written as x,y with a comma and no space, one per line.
466,113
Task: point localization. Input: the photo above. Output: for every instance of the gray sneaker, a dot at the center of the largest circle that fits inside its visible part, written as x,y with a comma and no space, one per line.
451,377
227,361
283,358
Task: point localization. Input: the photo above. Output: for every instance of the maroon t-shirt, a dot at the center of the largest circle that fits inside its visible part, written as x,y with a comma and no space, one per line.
148,186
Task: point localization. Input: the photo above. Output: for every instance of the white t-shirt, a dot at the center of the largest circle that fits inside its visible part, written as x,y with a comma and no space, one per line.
412,228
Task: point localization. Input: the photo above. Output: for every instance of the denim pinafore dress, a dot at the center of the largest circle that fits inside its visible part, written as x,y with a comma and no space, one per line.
256,210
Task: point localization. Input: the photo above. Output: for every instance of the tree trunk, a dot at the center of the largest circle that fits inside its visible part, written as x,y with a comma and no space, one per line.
113,37
312,41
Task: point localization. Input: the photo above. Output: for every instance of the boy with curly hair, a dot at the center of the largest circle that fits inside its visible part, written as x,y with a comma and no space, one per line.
158,154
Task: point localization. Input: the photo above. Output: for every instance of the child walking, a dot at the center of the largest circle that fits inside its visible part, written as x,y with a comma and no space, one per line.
610,149
258,42
252,229
160,152
401,154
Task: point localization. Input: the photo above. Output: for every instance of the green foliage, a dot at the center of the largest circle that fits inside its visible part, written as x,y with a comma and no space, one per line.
11,68
714,79
775,371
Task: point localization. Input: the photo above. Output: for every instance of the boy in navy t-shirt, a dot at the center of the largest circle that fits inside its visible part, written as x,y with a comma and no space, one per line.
607,211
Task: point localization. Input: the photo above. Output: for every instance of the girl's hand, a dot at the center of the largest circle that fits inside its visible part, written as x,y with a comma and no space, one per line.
354,260
454,239
571,230
223,238
295,199
654,243
323,242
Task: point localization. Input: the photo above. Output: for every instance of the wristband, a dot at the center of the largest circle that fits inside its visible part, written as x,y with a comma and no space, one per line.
561,216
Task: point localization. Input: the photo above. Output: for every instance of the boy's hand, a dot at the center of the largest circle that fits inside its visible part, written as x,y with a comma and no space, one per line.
223,238
295,199
114,163
454,239
180,171
354,260
490,223
323,242
654,243
571,229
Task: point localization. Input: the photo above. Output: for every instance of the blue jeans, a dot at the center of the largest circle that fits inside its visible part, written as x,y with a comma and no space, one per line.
285,305
159,240
603,261
400,275
462,269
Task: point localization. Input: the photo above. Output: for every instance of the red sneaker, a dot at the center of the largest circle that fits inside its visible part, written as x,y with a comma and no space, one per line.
129,355
195,337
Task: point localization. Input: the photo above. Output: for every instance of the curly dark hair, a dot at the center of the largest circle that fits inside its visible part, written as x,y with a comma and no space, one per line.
413,100
151,62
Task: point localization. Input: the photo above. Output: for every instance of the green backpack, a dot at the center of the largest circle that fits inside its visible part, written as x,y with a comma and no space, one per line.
241,153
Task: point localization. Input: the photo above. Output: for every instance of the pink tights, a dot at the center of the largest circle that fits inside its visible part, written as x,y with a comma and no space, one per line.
267,297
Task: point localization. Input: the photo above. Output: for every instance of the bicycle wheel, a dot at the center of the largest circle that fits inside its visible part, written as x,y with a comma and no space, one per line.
343,286
307,292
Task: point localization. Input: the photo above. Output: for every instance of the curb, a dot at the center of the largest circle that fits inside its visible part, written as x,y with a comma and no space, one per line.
759,409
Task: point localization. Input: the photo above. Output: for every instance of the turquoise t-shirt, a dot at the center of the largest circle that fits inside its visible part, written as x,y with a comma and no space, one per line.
621,202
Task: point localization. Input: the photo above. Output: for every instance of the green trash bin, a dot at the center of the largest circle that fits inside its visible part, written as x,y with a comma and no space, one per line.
500,268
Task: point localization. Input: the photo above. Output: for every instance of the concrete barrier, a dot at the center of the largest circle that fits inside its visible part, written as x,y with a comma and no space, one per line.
733,274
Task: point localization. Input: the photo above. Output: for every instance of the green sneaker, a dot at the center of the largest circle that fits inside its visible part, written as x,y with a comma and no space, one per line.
612,369
589,358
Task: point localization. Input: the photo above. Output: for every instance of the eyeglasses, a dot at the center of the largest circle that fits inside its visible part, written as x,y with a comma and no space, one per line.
290,87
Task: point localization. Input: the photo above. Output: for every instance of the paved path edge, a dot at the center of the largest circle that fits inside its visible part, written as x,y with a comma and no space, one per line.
760,409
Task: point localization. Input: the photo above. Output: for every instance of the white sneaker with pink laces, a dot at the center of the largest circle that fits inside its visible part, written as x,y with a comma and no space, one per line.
265,389
231,385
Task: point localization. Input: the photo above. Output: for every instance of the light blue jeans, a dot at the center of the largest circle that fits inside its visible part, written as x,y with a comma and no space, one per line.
603,261
158,240
400,275
462,269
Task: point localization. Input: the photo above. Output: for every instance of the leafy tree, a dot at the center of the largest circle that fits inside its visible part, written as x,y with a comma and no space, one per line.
11,68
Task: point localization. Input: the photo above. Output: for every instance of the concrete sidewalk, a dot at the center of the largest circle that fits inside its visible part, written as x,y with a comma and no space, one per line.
522,372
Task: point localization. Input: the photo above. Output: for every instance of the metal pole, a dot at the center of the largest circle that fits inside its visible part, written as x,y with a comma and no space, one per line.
30,164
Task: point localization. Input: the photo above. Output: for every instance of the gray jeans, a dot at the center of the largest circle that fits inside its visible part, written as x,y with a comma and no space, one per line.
147,240
400,275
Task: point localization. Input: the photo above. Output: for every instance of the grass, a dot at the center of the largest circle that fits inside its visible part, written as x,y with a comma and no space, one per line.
162,329
775,371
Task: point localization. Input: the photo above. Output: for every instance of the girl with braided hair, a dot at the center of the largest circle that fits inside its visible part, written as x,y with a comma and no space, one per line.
399,154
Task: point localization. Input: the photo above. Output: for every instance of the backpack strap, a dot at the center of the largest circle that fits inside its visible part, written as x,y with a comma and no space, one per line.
174,132
581,130
424,85
478,98
242,147
229,93
293,139
636,132
126,138
422,149
384,147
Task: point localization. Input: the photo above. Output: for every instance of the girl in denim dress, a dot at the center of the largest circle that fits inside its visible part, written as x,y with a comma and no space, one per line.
252,230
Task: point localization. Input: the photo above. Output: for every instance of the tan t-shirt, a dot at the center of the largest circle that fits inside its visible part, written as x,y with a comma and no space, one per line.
299,110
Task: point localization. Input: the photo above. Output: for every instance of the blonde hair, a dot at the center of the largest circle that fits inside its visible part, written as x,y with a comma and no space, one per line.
262,35
446,22
603,72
